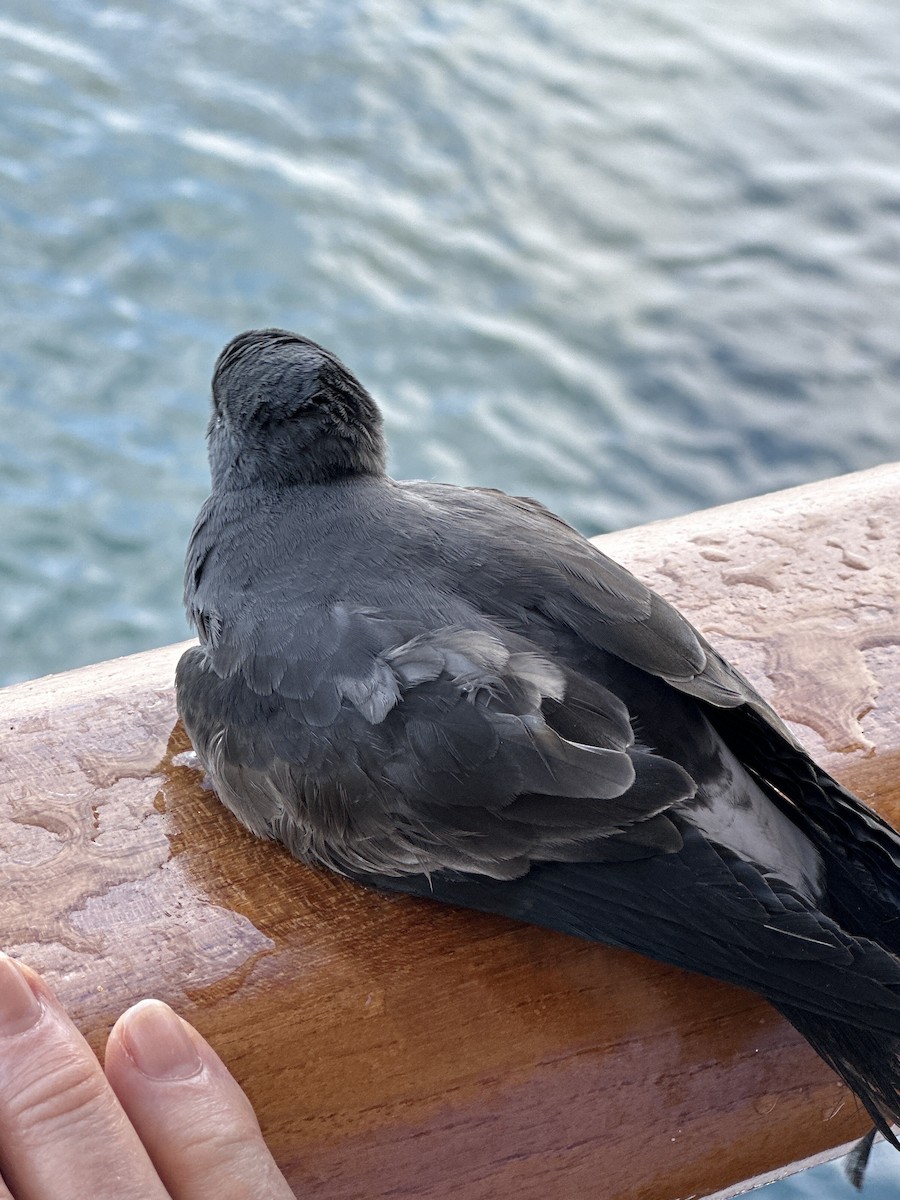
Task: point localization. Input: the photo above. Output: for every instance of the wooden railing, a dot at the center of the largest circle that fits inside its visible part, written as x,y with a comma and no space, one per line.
394,1048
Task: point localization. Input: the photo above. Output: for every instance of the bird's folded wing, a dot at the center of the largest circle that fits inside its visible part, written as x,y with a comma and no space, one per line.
540,563
469,746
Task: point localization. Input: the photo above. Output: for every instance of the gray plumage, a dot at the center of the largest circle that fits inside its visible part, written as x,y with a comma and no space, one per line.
448,691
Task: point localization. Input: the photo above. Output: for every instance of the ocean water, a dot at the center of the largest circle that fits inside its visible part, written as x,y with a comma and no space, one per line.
632,258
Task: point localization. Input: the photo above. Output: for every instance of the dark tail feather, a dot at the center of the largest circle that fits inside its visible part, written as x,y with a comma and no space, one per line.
869,1063
861,853
858,1159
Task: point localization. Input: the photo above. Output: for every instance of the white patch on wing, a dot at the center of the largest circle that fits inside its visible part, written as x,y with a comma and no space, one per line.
743,819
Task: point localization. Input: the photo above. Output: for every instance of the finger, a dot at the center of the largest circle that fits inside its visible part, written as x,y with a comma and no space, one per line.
63,1134
197,1124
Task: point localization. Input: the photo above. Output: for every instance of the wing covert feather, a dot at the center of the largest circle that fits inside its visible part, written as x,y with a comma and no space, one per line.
471,749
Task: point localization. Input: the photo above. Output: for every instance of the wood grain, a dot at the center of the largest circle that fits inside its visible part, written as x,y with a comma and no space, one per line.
394,1048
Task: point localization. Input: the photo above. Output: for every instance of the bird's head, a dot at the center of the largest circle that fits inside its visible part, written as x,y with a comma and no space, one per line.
285,411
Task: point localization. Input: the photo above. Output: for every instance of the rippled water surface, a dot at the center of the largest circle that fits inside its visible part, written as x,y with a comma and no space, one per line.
631,258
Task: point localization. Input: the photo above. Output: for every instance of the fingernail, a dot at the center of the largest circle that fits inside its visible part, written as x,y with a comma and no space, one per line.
19,1006
158,1042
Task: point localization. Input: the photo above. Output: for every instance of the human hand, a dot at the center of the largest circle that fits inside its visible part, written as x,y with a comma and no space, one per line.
166,1121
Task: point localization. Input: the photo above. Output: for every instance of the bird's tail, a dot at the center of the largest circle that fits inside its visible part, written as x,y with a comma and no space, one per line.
860,853
868,1062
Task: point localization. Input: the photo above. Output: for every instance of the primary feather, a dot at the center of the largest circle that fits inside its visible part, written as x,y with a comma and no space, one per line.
449,692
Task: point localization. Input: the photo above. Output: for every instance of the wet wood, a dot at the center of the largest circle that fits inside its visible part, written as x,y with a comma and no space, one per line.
394,1048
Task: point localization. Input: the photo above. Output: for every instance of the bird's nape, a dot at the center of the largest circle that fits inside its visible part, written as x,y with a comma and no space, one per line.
285,411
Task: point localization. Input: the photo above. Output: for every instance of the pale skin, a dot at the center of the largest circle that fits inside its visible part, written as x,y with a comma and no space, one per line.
161,1120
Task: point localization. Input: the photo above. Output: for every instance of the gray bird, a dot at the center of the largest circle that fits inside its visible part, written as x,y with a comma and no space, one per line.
449,692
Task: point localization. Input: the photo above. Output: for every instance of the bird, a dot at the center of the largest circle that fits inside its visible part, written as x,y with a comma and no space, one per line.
449,692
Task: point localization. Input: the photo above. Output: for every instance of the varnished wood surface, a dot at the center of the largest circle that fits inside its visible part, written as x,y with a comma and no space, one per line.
394,1048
